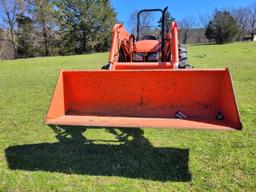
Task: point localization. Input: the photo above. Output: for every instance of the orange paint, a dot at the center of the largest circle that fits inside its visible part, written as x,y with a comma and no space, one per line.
147,95
147,46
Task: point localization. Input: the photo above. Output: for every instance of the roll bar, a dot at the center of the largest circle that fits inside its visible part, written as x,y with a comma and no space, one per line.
163,27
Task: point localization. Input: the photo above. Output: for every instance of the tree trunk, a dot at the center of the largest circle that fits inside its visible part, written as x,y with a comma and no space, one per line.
45,41
13,43
84,48
185,38
252,36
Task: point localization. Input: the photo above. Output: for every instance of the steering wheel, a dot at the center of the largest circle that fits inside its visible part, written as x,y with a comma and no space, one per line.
149,37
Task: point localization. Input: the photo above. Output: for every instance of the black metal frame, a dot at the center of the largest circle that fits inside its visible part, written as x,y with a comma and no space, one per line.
163,27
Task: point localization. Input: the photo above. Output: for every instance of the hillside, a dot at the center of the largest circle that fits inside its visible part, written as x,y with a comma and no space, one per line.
36,157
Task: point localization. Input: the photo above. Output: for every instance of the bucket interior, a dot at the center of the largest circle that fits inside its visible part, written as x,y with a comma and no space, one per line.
198,94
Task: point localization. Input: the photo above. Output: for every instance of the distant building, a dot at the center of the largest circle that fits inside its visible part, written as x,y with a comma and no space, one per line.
251,37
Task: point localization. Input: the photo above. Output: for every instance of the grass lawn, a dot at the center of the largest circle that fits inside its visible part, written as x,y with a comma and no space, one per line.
36,157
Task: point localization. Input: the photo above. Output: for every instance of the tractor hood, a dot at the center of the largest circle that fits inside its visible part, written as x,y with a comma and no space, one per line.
144,46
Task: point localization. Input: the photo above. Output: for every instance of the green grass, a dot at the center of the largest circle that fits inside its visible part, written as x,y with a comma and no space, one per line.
36,157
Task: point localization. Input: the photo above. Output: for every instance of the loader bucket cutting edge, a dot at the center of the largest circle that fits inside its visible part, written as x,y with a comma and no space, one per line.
148,98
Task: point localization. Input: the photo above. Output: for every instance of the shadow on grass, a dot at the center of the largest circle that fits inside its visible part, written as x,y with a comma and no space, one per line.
74,154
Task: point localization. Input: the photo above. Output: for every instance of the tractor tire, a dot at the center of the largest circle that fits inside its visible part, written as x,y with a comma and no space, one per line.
183,57
105,67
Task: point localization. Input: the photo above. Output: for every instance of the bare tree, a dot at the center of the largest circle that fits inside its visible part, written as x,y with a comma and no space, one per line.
10,8
241,16
145,21
204,20
186,24
252,19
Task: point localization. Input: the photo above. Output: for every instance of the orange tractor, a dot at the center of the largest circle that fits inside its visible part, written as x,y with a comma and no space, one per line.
147,83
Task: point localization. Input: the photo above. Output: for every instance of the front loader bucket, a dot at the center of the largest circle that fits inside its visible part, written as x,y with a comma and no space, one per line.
148,98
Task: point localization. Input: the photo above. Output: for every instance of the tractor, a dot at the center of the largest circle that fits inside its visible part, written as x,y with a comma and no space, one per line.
147,83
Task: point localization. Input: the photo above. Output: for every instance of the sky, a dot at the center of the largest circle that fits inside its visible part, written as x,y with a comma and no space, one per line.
178,8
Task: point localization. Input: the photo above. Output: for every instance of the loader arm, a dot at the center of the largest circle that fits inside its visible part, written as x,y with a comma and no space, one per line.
122,39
